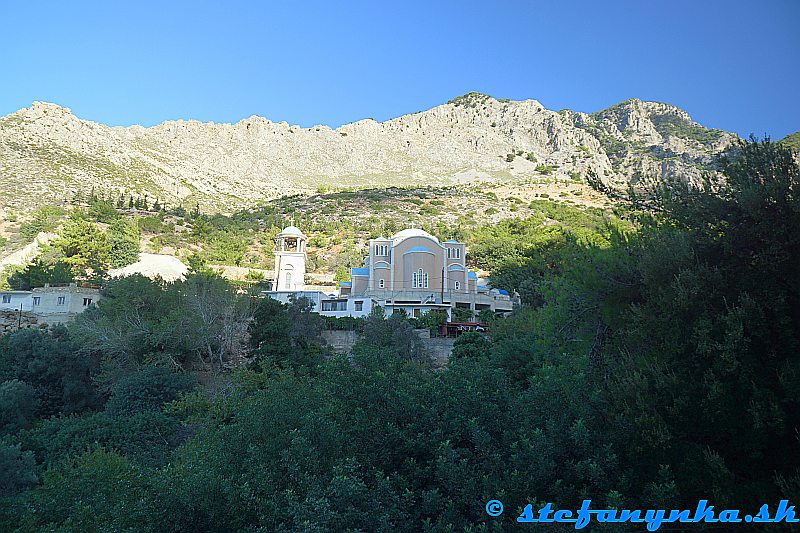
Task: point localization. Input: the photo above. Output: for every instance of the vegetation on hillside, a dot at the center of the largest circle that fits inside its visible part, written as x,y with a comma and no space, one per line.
654,364
668,124
792,141
338,224
82,250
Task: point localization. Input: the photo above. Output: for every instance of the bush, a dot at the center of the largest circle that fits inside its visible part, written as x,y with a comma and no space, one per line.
462,314
18,406
545,169
16,470
44,219
470,344
123,240
103,211
147,389
432,320
394,335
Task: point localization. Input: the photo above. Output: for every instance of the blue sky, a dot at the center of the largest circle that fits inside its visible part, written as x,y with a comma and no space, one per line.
731,64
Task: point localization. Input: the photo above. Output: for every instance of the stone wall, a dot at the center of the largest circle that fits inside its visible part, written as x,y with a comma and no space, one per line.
12,320
439,348
341,341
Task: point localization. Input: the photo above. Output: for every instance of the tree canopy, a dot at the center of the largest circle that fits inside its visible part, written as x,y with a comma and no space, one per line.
655,363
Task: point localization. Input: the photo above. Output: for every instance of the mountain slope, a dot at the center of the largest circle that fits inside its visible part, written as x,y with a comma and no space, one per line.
792,141
47,154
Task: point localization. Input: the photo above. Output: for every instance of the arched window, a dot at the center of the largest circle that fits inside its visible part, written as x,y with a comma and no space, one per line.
425,279
288,280
414,280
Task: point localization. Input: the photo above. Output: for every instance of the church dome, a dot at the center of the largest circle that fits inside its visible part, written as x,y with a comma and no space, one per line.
412,232
291,231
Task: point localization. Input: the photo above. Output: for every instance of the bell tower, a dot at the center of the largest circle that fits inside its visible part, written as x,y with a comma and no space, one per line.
290,260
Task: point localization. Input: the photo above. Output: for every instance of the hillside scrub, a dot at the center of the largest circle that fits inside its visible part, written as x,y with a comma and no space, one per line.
654,363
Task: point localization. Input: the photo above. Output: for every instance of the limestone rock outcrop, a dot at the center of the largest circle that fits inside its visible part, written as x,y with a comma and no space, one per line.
47,154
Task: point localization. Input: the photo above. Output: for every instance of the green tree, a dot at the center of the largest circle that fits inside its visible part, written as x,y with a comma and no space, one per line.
148,388
713,380
462,314
16,471
84,247
393,335
342,274
38,272
18,406
48,362
103,211
123,242
470,344
286,336
432,320
140,321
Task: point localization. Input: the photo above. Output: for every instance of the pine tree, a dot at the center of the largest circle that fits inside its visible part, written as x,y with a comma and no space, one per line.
84,246
123,239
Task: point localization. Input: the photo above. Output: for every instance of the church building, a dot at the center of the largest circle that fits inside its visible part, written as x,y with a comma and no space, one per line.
409,272
414,272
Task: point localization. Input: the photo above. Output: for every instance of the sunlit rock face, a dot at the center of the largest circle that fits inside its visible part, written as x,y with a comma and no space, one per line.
47,154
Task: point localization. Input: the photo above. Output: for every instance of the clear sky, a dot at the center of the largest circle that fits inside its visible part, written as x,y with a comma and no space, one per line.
731,64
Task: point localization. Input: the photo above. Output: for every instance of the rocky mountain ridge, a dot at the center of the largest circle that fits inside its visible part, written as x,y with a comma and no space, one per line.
47,154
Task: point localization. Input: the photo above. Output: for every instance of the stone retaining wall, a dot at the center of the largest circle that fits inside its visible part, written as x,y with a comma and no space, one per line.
13,320
439,348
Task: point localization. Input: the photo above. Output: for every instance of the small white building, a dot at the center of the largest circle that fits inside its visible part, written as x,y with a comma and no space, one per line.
15,300
60,303
327,304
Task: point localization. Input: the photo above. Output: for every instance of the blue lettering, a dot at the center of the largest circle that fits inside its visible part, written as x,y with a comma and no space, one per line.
763,514
609,515
626,515
654,518
563,515
527,514
678,516
544,513
584,515
785,513
729,515
704,512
